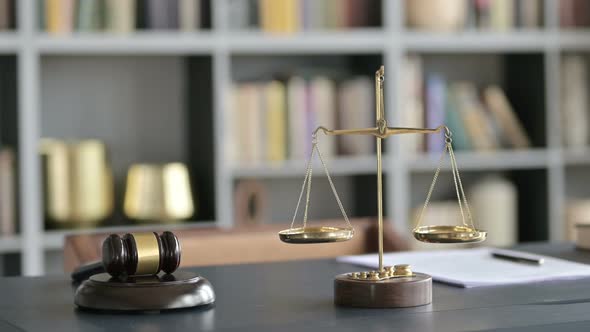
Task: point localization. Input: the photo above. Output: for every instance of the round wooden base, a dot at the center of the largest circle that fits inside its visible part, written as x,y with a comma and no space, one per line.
146,293
391,293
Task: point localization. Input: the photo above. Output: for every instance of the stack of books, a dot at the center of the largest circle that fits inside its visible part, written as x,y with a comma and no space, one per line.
481,123
7,17
273,121
289,16
121,16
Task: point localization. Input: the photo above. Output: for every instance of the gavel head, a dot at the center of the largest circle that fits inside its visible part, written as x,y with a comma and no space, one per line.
140,254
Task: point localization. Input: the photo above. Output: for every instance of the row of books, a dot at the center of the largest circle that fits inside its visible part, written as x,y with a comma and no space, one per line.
273,121
7,191
288,16
121,16
574,101
496,15
485,123
7,17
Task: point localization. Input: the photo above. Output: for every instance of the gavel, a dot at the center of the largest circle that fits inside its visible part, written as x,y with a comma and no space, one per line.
134,254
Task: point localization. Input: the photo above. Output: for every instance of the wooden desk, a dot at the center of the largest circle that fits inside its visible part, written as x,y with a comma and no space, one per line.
297,296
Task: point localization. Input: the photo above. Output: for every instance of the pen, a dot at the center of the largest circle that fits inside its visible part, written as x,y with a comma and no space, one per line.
518,258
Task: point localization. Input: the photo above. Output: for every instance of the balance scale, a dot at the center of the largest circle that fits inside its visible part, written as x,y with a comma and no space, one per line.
389,286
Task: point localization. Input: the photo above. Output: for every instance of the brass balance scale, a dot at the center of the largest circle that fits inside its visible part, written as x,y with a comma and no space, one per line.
389,286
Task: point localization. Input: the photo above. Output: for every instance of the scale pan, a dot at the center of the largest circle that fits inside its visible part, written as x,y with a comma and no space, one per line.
303,235
449,234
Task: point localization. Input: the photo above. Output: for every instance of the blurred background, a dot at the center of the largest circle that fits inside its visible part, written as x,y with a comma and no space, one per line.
120,115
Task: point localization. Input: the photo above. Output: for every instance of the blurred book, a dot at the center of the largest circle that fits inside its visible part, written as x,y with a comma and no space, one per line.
59,15
495,15
89,15
413,107
162,15
290,16
574,101
356,101
273,121
7,191
120,16
574,13
5,14
510,127
189,14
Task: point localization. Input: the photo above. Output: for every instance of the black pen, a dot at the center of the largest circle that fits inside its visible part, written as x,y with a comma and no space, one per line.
518,257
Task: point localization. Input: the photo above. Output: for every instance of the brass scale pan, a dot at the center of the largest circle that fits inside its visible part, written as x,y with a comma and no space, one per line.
430,234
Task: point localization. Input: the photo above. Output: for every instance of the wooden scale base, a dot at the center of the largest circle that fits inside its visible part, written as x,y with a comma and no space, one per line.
181,289
412,291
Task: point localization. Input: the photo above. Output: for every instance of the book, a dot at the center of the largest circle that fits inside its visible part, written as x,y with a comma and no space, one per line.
296,90
566,13
323,93
529,13
435,111
355,100
275,97
120,16
412,107
455,123
239,14
5,10
59,16
509,125
7,192
476,123
89,15
189,14
577,212
501,14
162,15
574,101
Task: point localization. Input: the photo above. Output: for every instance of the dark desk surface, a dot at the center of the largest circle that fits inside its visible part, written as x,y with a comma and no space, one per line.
298,297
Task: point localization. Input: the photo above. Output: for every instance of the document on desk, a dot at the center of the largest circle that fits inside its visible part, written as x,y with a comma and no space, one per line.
476,267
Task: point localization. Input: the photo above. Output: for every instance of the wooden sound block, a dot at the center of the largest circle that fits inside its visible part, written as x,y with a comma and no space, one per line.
182,289
390,293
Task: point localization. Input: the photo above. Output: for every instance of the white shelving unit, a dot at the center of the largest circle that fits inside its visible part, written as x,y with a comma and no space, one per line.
391,41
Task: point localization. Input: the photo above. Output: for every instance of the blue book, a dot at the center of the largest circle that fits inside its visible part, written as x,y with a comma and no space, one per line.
454,121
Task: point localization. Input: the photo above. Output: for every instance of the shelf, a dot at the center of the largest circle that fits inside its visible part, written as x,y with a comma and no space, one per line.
574,40
138,43
296,168
53,240
10,244
9,42
574,157
358,41
484,161
475,41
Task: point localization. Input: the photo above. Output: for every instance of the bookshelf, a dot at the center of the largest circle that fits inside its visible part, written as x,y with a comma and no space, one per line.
209,60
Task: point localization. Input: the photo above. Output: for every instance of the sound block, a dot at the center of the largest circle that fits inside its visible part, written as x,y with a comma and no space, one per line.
390,293
182,289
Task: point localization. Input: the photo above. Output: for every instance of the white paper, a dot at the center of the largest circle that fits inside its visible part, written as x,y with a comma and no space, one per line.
476,267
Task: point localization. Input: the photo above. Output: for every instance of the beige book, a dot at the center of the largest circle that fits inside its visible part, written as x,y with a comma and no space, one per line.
502,14
412,105
296,100
120,16
323,100
189,14
502,111
7,192
476,123
275,97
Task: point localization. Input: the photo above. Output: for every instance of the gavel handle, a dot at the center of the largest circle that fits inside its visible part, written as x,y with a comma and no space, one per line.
84,272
